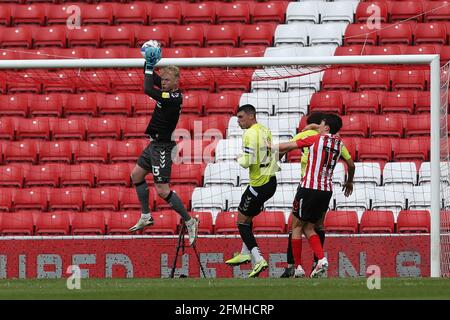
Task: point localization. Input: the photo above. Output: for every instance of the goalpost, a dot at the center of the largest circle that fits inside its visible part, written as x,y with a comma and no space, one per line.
439,243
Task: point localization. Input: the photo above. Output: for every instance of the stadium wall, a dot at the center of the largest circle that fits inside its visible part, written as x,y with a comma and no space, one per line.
152,257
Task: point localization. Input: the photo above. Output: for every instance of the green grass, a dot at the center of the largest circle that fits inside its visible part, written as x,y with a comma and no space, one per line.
230,289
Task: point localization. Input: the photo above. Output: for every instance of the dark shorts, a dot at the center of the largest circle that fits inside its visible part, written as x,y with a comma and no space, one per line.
253,198
157,159
310,205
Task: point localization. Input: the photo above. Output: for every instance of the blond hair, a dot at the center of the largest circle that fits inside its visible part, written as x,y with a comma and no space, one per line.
174,69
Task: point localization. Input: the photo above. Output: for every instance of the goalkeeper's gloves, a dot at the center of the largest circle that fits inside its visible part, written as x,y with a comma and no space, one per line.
152,57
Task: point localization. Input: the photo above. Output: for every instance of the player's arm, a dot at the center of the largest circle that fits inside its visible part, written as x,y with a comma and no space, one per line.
348,185
292,145
248,150
311,126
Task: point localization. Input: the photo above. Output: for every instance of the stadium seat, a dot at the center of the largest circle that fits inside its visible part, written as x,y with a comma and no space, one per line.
135,12
291,34
200,79
399,101
66,199
387,125
228,149
28,14
45,105
221,173
377,222
210,52
391,198
52,223
221,103
256,35
55,151
81,104
375,149
16,37
42,175
11,175
74,128
192,102
130,150
188,35
414,149
89,223
199,13
423,102
114,104
445,216
400,173
86,36
210,199
358,102
351,143
165,13
109,53
351,50
390,49
122,35
5,15
395,34
222,35
206,222
36,128
420,198
327,101
436,11
119,223
7,126
359,34
184,192
54,36
413,221
268,12
19,223
160,33
178,52
166,222
233,80
99,13
373,10
59,13
289,173
129,201
6,197
425,174
327,33
432,32
233,12
354,125
423,49
90,151
104,198
341,222
373,79
409,79
247,51
20,151
143,104
187,174
367,174
103,128
339,79
418,125
337,12
10,55
269,222
226,223
282,200
113,174
411,10
14,105
31,199
292,102
306,12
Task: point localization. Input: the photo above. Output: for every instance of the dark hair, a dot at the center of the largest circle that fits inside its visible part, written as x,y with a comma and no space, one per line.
315,117
333,121
247,108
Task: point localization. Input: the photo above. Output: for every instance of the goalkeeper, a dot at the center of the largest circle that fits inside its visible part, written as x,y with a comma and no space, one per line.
157,156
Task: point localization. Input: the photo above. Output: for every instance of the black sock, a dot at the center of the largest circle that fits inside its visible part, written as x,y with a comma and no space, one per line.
245,230
176,204
142,193
321,233
290,256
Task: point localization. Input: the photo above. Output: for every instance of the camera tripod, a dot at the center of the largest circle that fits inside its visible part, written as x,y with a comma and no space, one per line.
181,245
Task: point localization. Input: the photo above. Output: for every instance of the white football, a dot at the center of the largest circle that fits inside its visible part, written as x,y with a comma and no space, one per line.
150,43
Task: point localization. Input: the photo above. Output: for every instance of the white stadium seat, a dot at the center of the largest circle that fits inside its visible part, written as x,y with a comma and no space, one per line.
221,173
339,174
261,100
420,198
289,34
293,102
290,174
283,51
386,199
329,33
307,11
283,127
337,11
235,198
318,51
282,199
358,201
400,173
307,80
367,173
212,199
228,149
273,82
425,173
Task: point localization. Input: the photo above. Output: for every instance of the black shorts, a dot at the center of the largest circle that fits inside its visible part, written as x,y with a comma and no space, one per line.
157,158
253,198
310,205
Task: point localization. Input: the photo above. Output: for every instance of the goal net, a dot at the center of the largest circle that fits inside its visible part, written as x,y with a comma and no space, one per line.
72,130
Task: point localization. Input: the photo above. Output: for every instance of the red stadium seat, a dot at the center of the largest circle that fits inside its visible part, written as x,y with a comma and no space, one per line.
100,13
387,125
234,79
166,222
411,149
373,11
327,101
354,125
188,35
445,216
199,13
373,79
99,80
33,128
184,126
226,223
437,11
432,32
184,192
352,144
66,199
395,33
423,102
52,223
269,222
351,50
423,49
377,222
113,174
402,10
85,36
187,174
339,79
55,151
206,222
225,34
409,79
82,104
159,33
169,12
6,196
59,13
390,49
89,223
127,80
269,12
108,53
104,198
126,150
68,128
14,105
375,149
224,103
341,222
42,175
10,55
16,223
5,14
20,151
122,35
115,104
248,51
31,199
418,125
178,52
198,79
78,175
360,34
45,105
28,14
130,13
120,222
211,126
129,200
16,37
90,151
400,101
7,127
413,221
54,36
192,102
256,35
366,101
103,128
135,127
131,53
11,175
233,12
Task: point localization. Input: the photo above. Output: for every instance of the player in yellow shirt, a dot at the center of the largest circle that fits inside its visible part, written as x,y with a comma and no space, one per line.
261,161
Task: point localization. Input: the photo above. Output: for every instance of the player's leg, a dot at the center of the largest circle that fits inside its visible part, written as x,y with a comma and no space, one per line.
290,269
319,229
296,238
316,246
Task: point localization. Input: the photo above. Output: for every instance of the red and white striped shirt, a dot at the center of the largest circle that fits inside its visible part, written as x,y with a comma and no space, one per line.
324,153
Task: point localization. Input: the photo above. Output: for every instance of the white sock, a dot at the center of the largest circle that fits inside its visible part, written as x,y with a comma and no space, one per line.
257,254
190,222
244,249
146,215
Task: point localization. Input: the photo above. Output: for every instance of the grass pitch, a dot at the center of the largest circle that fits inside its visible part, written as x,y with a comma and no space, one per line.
227,289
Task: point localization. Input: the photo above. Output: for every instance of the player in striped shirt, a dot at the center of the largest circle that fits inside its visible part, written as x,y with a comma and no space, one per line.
315,190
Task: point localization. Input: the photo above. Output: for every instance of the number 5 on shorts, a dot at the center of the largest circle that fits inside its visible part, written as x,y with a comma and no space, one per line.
155,170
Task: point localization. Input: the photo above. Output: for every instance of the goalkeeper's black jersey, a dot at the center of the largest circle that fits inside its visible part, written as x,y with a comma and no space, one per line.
167,111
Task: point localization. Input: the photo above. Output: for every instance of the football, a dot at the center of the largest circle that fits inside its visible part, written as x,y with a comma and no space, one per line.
148,44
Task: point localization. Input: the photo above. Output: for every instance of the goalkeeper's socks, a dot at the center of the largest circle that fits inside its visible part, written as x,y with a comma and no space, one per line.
146,216
256,253
142,193
316,246
176,204
290,257
297,251
244,249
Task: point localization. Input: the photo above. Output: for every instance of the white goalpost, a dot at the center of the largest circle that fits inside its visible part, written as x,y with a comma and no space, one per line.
433,61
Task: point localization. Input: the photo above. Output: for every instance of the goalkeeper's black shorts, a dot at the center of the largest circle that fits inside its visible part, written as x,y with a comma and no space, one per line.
253,198
157,159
